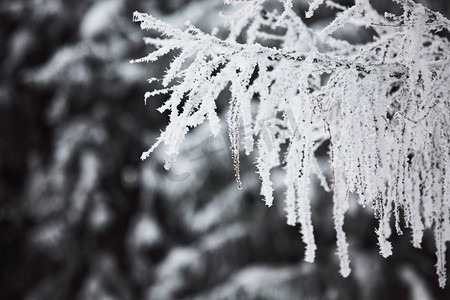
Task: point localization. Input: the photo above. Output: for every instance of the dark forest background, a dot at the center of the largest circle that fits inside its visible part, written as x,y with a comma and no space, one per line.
81,217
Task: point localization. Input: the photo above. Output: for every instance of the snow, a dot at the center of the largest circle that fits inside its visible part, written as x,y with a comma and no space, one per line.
98,19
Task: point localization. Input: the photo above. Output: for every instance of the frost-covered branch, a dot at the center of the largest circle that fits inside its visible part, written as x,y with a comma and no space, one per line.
383,105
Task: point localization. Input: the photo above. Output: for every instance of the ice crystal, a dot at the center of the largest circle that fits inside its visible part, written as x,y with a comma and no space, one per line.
383,106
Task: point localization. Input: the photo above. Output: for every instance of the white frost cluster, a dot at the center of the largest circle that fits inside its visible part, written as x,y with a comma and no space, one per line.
383,107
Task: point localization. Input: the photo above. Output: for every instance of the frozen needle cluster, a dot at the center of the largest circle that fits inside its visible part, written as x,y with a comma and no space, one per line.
382,106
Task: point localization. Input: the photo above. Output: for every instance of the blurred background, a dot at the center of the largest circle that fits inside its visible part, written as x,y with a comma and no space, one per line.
81,217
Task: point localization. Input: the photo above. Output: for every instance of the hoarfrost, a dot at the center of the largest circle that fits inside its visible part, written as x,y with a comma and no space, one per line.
383,107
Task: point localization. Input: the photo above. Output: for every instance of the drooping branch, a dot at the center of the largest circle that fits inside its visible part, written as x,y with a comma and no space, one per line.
383,106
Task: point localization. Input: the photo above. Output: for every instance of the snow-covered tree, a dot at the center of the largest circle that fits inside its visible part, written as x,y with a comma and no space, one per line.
382,107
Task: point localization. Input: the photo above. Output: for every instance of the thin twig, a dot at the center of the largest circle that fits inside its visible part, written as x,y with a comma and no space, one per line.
402,114
387,25
290,145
